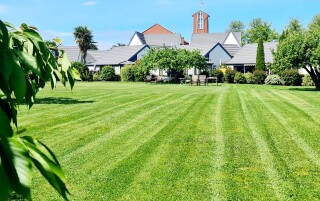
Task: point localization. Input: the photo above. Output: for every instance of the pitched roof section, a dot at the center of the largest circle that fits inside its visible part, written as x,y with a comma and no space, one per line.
73,53
232,49
120,55
213,38
157,29
247,55
163,39
137,39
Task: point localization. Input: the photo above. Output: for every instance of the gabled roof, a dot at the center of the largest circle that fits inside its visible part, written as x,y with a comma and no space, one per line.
157,29
212,38
247,54
232,49
204,49
120,55
163,39
140,37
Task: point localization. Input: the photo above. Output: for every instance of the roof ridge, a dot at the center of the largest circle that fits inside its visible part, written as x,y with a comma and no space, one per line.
154,26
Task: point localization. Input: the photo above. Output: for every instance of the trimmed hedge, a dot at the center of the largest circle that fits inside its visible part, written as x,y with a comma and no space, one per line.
127,73
250,78
108,73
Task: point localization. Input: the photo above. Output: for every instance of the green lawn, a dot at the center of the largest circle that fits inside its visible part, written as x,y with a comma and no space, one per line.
136,141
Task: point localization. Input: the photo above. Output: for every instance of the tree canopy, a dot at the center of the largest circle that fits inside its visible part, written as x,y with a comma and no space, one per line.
260,29
84,39
26,65
172,59
300,49
236,26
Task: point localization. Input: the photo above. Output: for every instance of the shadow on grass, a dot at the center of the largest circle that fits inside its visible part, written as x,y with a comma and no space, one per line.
302,89
60,100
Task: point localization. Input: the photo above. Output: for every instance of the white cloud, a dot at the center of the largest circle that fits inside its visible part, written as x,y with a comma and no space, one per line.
89,3
4,8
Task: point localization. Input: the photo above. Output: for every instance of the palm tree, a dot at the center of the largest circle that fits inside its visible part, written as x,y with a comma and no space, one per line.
84,39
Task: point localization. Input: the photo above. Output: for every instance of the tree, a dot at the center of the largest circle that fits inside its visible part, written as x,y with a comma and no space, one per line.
26,65
300,49
260,59
236,26
260,29
293,26
84,39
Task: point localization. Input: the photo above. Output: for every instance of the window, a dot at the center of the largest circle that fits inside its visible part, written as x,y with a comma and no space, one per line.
200,20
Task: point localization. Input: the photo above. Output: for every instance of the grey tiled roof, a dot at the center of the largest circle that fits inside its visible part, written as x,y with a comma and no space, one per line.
163,39
204,49
119,55
247,54
232,49
213,38
73,53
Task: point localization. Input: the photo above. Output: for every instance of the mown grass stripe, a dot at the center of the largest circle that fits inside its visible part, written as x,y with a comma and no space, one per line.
264,152
310,153
218,186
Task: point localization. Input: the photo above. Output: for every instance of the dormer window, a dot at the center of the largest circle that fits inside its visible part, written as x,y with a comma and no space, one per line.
200,20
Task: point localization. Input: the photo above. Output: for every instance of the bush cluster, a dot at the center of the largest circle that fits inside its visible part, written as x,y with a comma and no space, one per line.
217,73
128,73
250,78
108,73
229,75
273,80
259,76
291,78
239,78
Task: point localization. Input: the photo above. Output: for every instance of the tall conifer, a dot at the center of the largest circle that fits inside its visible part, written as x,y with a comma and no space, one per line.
260,59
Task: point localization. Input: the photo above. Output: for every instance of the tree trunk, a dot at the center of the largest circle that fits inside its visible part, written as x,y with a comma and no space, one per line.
83,54
314,77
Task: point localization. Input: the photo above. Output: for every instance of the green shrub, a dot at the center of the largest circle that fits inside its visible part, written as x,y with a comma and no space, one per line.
229,75
95,76
259,76
140,73
205,72
83,70
127,73
307,81
239,78
107,73
217,73
273,80
250,78
291,78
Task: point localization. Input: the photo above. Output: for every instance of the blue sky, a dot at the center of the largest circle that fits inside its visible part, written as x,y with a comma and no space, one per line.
116,21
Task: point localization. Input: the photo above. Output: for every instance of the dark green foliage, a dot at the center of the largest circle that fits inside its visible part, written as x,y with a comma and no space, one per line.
140,73
250,78
307,81
239,78
229,75
260,59
273,80
27,63
84,39
205,72
83,70
127,73
291,78
259,76
217,73
108,73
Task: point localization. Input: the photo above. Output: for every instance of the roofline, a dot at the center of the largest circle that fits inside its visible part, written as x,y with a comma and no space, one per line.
138,37
139,51
231,32
218,44
155,25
